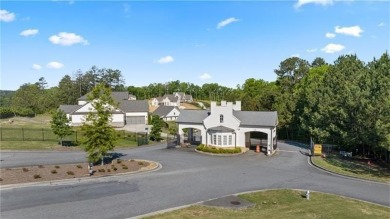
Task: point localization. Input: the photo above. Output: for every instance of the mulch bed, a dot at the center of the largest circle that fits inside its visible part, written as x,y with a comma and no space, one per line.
67,171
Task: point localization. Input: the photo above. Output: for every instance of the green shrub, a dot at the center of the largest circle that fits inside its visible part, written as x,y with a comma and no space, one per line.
125,167
109,170
215,150
25,169
79,166
53,171
70,173
57,167
141,163
102,170
118,160
37,176
24,112
6,112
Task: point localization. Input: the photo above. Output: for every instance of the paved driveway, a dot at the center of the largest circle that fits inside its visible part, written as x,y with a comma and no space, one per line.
186,177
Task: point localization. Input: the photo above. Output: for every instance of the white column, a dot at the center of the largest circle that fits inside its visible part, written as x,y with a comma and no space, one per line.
181,134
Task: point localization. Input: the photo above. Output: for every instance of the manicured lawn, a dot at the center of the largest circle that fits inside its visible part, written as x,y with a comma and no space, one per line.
287,204
31,145
53,145
353,168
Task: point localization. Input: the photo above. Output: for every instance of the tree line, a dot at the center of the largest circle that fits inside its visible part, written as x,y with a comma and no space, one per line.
346,102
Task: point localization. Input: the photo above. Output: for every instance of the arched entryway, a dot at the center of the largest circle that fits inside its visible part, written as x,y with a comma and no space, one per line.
254,138
190,136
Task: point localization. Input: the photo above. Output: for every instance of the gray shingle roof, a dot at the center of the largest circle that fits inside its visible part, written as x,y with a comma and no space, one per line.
134,105
268,118
69,108
255,118
192,116
163,111
171,97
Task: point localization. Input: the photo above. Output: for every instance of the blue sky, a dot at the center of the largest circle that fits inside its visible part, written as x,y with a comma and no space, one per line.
223,42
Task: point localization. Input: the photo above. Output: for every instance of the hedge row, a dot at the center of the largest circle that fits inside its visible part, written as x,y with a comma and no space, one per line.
7,112
215,150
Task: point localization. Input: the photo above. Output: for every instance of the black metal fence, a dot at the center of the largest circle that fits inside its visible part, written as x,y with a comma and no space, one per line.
30,134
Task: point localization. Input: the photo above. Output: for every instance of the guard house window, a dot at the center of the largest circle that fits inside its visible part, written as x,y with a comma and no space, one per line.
221,118
224,140
230,140
215,139
219,140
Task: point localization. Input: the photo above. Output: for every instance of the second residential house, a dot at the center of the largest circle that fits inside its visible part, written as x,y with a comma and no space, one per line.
129,112
167,113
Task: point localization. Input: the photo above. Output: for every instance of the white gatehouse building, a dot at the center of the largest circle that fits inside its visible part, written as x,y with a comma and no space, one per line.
227,126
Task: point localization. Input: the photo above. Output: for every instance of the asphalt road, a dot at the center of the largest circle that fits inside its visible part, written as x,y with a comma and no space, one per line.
186,177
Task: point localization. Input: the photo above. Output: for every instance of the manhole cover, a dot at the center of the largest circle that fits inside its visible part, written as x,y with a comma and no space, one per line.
235,202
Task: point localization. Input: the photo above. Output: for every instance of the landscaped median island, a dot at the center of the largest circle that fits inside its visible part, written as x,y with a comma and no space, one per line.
215,150
40,173
359,168
286,204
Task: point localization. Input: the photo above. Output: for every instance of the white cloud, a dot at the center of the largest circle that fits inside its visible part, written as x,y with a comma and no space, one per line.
351,31
295,55
29,32
332,48
54,65
381,24
330,35
126,8
6,16
67,39
36,67
317,2
166,59
311,50
226,22
205,76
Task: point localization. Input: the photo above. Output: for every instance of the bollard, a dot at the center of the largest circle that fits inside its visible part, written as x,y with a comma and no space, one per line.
90,169
308,195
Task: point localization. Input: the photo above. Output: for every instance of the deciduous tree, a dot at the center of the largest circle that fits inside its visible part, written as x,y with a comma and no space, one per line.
99,134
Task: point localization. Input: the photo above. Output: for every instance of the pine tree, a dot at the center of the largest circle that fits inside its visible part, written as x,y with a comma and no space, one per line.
60,125
155,132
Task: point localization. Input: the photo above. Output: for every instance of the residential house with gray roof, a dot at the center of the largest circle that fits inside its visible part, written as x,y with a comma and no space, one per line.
167,113
227,126
166,100
128,111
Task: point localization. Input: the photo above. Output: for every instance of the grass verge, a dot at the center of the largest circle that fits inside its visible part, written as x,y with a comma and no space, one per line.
287,204
351,167
53,145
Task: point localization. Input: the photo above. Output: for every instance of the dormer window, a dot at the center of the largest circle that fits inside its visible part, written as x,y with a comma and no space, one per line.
221,118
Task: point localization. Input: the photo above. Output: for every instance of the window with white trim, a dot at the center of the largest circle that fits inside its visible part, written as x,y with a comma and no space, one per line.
224,140
219,140
230,140
215,139
221,118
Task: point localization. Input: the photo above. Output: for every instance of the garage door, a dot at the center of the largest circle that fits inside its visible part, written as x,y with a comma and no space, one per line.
135,120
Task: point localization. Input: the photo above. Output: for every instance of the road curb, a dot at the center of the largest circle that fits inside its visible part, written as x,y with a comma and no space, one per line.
343,175
81,179
241,193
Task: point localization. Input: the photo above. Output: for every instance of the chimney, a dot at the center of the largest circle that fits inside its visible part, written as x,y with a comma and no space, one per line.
237,106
